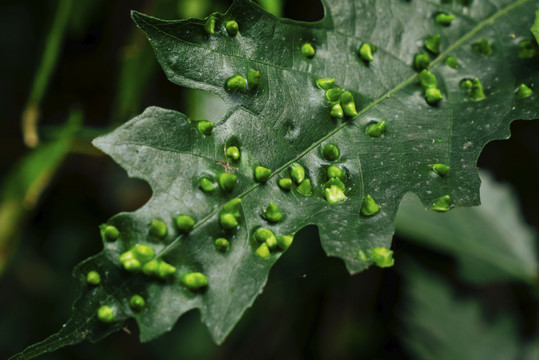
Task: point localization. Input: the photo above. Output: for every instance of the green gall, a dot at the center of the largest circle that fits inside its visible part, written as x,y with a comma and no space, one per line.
111,233
366,52
452,62
272,213
466,84
433,96
382,257
129,261
209,25
253,78
428,82
335,181
158,228
297,173
330,152
143,253
421,61
184,223
206,184
333,95
137,303
151,267
377,129
284,241
233,153
325,83
336,172
236,83
227,182
307,50
527,49
334,194
158,268
523,91
305,188
233,207
165,270
444,19
228,221
232,27
285,184
476,92
195,281
362,256
205,127
93,278
126,256
433,44
136,256
441,169
263,251
348,104
271,243
262,235
443,204
336,111
105,314
262,174
482,47
369,206
222,245
427,79
132,265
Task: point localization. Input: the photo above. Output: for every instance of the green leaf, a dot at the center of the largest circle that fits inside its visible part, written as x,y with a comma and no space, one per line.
438,325
24,184
535,27
286,119
53,42
491,242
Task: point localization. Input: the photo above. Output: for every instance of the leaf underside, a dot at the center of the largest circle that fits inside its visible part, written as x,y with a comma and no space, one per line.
438,325
285,120
491,243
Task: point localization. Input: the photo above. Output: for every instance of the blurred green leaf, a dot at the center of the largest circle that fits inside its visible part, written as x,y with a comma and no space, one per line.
53,42
194,8
138,65
274,7
491,242
535,27
439,325
26,182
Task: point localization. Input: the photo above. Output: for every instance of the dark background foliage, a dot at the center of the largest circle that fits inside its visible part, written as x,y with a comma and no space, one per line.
311,307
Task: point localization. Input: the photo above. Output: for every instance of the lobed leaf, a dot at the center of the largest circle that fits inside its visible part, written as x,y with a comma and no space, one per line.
281,118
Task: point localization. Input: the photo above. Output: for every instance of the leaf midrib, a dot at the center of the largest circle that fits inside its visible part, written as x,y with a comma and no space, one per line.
387,95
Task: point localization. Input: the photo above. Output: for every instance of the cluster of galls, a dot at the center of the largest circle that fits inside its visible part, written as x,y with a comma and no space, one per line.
142,258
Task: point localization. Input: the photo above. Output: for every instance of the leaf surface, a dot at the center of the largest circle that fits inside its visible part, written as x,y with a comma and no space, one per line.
286,120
